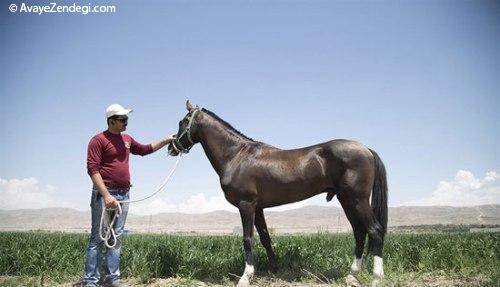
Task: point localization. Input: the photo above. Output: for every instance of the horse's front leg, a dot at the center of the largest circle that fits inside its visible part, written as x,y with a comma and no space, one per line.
247,212
265,239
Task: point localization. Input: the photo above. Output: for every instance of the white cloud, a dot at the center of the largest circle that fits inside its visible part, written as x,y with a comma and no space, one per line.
200,204
27,193
152,207
465,190
197,203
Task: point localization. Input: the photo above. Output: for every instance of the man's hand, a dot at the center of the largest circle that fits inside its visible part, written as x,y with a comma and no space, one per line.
171,138
111,202
162,143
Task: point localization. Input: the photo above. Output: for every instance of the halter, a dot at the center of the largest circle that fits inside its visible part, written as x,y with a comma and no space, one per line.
176,144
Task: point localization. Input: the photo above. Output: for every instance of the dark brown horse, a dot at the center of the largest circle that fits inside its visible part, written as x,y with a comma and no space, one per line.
255,175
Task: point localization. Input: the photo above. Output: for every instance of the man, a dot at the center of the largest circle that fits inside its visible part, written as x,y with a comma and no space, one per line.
107,166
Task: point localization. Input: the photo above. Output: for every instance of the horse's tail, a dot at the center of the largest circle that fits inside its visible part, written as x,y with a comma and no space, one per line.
379,199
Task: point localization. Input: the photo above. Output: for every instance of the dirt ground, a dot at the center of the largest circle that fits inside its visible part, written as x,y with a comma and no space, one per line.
421,280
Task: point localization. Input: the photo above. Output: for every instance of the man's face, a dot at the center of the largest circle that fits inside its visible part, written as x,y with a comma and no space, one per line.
120,123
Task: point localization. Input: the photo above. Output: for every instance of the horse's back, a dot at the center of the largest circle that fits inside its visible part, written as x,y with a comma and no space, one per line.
347,151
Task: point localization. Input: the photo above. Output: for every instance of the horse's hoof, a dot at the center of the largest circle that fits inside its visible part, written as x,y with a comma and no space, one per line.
376,283
243,282
351,281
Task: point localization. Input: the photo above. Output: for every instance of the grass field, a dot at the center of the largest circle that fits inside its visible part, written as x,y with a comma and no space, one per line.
454,258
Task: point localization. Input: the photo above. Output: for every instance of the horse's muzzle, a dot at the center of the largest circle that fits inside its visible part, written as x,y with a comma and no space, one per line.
171,150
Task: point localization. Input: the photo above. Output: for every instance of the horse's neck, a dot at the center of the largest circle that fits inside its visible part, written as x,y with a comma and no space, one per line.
220,144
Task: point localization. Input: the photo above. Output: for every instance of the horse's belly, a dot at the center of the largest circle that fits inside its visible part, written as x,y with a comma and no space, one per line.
277,194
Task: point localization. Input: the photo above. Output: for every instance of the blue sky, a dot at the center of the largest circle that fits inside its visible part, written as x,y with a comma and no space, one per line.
415,81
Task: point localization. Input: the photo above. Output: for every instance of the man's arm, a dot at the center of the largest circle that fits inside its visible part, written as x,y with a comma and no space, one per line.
158,145
109,200
94,157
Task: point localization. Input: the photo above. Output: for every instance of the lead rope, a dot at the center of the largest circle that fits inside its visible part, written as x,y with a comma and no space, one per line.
108,220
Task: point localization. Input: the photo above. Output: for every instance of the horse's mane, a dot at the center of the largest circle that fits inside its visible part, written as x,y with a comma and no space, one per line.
226,124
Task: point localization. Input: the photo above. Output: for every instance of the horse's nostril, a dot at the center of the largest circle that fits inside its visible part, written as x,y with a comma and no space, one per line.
171,150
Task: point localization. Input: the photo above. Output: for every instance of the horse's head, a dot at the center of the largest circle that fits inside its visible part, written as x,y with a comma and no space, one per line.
185,135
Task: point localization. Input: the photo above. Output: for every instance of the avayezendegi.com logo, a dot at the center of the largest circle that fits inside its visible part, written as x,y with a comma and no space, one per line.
56,8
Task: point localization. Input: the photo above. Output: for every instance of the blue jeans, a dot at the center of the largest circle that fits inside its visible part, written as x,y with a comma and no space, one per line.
93,255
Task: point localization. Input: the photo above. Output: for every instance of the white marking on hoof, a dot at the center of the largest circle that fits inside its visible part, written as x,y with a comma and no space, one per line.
357,263
376,283
351,281
247,276
378,268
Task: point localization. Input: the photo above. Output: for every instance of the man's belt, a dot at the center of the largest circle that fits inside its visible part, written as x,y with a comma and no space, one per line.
119,188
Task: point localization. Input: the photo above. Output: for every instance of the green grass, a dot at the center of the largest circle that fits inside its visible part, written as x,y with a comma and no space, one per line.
59,257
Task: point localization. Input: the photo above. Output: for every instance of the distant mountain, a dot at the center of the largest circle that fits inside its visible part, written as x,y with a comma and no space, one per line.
305,219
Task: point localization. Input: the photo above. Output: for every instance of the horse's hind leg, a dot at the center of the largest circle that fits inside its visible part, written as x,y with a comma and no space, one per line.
376,236
260,224
359,236
247,213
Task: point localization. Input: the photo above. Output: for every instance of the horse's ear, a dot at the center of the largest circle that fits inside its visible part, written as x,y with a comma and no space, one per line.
189,107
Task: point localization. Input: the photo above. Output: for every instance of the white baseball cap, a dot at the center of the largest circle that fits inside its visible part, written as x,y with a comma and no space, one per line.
116,110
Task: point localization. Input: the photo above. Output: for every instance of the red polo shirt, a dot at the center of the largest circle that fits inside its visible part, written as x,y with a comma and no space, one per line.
108,155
